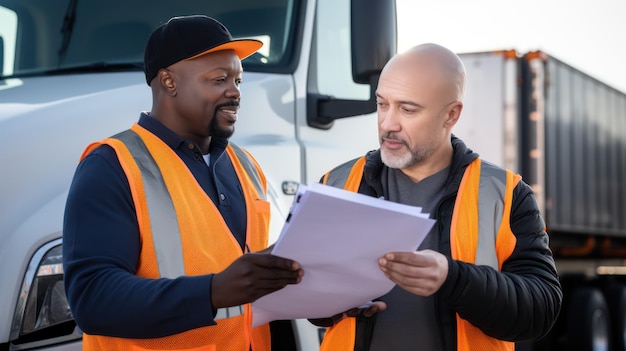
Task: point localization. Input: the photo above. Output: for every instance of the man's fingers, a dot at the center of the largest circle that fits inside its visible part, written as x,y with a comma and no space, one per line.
416,258
279,275
396,267
409,263
277,268
377,306
353,312
252,276
271,261
421,272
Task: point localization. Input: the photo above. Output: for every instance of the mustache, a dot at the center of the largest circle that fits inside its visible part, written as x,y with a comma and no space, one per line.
232,103
392,136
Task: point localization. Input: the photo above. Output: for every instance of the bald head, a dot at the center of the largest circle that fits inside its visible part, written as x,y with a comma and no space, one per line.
432,65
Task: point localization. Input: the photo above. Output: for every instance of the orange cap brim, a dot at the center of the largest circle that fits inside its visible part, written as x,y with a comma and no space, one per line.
242,47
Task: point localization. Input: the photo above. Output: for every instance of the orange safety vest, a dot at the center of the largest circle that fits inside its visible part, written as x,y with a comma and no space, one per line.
173,213
479,234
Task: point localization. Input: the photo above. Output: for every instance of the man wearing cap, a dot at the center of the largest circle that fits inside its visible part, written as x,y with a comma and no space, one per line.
164,221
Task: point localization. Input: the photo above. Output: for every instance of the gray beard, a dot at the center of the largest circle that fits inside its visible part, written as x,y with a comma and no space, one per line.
399,162
407,159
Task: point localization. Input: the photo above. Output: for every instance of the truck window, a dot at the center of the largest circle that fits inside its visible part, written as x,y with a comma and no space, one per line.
8,32
66,35
334,62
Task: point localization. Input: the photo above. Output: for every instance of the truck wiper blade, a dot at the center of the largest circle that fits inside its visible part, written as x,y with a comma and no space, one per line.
67,28
98,67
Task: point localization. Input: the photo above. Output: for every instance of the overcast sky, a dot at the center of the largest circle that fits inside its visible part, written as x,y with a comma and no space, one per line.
588,35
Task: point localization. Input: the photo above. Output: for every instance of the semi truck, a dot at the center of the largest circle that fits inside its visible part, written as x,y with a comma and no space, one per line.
71,73
565,133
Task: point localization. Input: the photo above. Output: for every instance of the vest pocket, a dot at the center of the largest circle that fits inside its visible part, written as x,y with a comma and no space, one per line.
262,209
262,206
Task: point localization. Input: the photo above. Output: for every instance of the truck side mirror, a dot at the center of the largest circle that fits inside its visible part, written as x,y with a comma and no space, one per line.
374,37
1,57
374,40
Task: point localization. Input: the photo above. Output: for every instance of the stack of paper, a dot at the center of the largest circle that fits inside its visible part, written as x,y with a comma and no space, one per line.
337,237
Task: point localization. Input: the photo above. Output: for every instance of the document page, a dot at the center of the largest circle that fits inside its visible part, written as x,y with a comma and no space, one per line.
337,237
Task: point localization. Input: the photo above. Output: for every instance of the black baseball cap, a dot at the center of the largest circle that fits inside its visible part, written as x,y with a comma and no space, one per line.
187,37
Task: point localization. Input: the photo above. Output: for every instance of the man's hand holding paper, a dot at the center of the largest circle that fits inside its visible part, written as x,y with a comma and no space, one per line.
337,237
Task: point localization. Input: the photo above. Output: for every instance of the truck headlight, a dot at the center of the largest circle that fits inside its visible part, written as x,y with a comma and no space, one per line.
42,311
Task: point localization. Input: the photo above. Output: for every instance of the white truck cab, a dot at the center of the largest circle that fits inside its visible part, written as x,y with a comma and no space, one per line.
71,73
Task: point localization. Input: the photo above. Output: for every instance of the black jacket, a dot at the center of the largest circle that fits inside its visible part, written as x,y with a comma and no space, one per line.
521,302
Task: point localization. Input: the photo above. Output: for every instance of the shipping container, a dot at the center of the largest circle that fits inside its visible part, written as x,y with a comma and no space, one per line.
565,133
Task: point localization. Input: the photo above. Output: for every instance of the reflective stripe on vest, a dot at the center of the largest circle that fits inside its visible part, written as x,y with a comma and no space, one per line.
250,169
480,233
346,176
490,199
229,312
486,191
482,214
163,220
156,175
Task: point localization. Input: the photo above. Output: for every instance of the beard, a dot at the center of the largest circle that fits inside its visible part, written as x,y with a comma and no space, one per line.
218,132
214,128
407,157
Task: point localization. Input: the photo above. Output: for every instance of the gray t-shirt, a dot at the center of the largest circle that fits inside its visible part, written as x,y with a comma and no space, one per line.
410,321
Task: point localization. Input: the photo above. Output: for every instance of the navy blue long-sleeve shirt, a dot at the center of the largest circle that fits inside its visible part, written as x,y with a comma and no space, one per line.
101,245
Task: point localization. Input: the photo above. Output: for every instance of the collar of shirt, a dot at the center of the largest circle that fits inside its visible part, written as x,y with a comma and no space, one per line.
176,142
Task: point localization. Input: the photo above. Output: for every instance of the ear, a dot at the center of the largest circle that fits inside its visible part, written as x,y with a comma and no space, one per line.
453,114
167,82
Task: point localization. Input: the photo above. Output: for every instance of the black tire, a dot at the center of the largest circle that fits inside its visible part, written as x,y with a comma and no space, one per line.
615,294
588,324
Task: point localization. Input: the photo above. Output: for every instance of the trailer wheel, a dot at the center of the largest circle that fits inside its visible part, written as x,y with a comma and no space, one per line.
587,321
616,299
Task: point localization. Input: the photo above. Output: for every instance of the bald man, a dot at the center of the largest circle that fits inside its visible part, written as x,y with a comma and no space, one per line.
484,277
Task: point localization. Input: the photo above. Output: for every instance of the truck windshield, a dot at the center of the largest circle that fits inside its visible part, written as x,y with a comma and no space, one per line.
55,36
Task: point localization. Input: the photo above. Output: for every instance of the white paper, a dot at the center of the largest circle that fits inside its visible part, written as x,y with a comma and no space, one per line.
337,237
